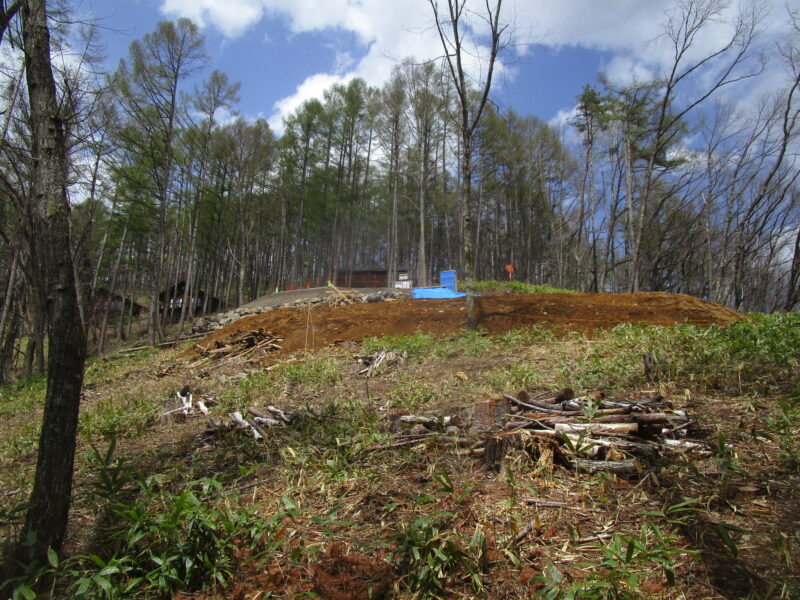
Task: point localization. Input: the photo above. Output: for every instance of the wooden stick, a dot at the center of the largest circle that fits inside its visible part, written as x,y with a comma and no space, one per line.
397,444
546,503
532,405
415,419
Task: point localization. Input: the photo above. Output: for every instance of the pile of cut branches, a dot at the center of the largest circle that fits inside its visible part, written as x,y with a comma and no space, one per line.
591,433
588,434
256,342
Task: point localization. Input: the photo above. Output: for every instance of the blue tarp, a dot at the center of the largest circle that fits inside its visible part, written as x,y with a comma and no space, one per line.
435,292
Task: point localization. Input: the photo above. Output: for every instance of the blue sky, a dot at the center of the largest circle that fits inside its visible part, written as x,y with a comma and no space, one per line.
285,51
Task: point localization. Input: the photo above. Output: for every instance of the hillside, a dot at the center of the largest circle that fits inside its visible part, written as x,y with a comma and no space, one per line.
382,485
321,326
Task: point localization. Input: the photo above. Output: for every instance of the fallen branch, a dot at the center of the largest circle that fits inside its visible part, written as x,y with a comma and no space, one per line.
533,405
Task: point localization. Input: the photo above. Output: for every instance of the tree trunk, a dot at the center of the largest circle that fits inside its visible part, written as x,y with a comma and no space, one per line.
48,509
112,288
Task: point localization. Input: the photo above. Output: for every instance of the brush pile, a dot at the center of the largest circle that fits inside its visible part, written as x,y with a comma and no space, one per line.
588,434
251,343
255,422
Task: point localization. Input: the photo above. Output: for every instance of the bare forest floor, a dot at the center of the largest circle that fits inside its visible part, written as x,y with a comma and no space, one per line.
342,499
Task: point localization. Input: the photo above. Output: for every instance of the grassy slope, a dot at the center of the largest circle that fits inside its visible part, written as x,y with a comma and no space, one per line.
317,498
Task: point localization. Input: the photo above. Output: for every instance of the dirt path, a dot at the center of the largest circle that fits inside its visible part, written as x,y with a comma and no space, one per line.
326,325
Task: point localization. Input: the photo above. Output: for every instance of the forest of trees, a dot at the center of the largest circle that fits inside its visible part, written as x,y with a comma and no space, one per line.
662,185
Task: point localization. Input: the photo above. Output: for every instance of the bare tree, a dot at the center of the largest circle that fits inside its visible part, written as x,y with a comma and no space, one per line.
725,64
452,29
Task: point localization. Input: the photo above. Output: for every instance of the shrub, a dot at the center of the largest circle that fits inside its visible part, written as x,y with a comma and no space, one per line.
516,287
759,353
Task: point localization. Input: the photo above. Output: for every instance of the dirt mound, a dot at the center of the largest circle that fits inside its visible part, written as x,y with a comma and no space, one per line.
324,325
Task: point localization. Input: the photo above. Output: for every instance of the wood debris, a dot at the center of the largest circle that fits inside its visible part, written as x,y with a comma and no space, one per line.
588,434
256,342
376,361
255,422
189,406
592,433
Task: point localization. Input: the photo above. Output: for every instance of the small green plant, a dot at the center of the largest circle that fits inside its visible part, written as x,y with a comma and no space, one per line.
408,393
121,415
23,441
575,444
590,408
526,336
410,346
726,457
187,540
318,370
616,576
468,343
680,513
759,353
96,579
785,427
112,474
430,554
520,376
22,396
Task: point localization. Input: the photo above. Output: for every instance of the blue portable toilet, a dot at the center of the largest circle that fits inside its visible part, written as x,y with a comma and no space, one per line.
448,279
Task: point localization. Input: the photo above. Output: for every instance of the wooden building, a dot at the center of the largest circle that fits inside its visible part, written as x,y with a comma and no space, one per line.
172,300
116,303
372,278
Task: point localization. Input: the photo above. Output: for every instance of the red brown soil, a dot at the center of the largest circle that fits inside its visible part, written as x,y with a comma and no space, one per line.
325,325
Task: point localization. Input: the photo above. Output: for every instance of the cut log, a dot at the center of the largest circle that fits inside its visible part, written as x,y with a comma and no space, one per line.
277,412
603,428
255,428
647,451
496,447
682,445
243,424
618,467
257,413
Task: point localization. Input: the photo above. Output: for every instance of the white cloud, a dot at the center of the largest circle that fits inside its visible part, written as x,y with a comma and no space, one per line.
563,117
624,70
390,30
312,87
231,17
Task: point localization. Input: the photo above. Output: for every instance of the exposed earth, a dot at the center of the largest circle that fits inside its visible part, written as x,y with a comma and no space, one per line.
320,326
